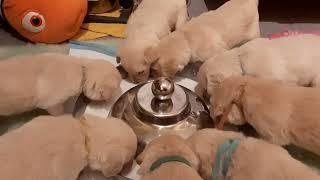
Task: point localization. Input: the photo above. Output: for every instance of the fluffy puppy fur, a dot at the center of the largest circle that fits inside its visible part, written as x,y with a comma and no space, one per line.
281,114
152,20
48,80
168,145
61,147
291,60
46,148
253,158
111,144
205,36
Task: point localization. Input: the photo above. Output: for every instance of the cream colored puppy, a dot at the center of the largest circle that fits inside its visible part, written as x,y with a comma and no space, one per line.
111,144
281,114
168,157
203,37
152,20
252,159
48,80
292,60
47,147
54,148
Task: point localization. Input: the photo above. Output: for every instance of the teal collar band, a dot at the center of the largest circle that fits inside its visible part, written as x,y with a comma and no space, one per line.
167,159
223,158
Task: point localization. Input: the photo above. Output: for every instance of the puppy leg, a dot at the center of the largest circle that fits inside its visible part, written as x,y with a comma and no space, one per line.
182,17
56,110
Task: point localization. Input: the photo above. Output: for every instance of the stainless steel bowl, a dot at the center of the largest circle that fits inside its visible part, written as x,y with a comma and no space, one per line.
161,107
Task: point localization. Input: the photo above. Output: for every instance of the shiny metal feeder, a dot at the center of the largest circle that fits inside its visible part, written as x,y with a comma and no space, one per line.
161,107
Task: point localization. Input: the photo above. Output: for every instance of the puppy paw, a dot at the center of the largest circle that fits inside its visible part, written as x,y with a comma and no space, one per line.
102,80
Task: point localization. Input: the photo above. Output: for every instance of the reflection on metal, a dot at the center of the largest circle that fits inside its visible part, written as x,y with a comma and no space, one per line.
161,107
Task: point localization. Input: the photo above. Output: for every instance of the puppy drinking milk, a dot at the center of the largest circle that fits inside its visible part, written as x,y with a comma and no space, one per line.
203,37
230,155
111,144
280,113
151,21
48,80
168,157
293,60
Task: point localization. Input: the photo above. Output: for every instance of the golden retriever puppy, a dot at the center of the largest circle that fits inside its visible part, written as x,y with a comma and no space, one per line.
61,147
251,159
152,20
111,144
203,37
168,157
47,148
291,60
48,80
281,114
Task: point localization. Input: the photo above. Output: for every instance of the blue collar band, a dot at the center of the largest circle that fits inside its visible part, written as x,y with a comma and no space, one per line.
223,158
167,159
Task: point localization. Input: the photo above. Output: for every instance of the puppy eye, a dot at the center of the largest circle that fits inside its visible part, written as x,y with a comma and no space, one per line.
140,72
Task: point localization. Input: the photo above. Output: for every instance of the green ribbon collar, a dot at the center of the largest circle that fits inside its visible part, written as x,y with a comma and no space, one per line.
168,159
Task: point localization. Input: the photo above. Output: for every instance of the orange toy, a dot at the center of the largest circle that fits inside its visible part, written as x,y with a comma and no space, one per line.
46,21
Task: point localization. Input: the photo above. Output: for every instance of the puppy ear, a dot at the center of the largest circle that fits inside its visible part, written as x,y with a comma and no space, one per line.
151,55
239,91
141,156
143,164
213,81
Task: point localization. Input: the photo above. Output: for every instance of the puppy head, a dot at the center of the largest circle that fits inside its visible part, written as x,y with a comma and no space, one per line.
229,92
204,140
165,145
205,143
133,60
170,56
102,80
111,144
216,69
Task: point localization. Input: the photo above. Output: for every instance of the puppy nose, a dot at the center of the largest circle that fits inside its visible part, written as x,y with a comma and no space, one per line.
138,161
155,73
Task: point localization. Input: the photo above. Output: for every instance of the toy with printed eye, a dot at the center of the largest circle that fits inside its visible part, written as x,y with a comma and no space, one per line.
44,21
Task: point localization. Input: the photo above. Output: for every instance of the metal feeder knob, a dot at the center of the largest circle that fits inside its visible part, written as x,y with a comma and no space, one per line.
162,88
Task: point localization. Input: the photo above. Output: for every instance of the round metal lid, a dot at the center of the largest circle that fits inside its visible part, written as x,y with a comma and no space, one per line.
161,99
